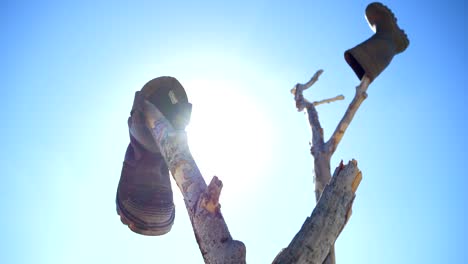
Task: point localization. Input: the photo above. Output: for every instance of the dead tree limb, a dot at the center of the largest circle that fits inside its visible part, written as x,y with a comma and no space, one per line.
319,231
330,100
322,153
361,95
314,242
202,201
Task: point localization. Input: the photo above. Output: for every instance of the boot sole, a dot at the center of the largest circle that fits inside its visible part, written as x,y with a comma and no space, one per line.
400,38
126,219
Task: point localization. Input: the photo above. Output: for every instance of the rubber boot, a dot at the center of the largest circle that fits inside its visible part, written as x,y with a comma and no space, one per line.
373,55
144,196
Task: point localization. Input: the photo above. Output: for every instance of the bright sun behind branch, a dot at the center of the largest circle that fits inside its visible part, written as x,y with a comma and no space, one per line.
229,135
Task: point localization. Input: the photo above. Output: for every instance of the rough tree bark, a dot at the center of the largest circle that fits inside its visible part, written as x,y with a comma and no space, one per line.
211,232
315,240
319,231
305,250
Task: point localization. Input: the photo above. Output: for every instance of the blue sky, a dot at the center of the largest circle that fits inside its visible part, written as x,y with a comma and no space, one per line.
69,72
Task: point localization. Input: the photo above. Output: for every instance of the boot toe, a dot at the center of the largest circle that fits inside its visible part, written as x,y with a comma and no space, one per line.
147,211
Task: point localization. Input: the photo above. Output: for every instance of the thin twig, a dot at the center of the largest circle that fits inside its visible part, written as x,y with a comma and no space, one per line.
298,89
301,103
327,101
312,80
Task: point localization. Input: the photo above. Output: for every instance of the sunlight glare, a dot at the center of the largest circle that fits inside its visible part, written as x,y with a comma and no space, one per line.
229,135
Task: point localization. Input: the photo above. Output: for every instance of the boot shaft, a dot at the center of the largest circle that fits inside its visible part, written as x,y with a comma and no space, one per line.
372,56
144,195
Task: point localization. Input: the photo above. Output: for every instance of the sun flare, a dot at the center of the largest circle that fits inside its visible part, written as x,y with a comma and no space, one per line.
229,134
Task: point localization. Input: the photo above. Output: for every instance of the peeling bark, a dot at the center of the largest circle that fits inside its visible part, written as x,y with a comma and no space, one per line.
211,232
319,232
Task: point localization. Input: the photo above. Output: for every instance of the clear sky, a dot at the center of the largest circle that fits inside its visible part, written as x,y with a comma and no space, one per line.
69,70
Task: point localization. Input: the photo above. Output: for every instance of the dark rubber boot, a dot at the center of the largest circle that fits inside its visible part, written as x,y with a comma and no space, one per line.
144,196
373,55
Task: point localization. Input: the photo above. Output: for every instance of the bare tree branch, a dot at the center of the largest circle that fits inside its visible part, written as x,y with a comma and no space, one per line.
298,89
319,232
211,231
317,131
322,173
327,101
359,97
301,103
321,151
312,80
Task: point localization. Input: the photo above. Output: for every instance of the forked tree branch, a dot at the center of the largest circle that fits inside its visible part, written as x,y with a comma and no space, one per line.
302,103
320,150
